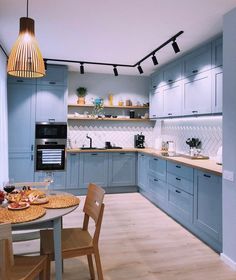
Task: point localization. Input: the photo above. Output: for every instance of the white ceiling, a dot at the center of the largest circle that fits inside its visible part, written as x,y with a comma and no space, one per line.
114,31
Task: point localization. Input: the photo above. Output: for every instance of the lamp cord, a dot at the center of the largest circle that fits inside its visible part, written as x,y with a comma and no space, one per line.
27,8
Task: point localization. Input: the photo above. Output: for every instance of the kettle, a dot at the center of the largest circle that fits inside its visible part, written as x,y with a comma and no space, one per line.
219,156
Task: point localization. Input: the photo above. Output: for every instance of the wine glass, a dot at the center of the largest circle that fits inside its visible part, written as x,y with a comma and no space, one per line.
9,187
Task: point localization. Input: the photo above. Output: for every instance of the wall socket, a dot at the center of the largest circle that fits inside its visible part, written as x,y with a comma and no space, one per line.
228,175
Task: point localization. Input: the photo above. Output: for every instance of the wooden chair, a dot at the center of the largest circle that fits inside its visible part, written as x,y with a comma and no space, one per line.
78,241
18,267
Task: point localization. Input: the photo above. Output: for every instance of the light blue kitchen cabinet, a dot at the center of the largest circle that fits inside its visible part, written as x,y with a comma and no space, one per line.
156,107
142,171
208,208
21,127
172,72
157,168
21,167
172,99
72,170
180,170
93,169
20,81
55,75
157,79
122,169
58,179
197,61
197,94
51,103
217,89
217,52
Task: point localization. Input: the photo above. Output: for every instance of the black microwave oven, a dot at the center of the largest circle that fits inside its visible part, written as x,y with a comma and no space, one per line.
51,130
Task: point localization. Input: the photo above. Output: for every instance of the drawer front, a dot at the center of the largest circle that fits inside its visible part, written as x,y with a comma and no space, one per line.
180,182
180,204
159,191
180,170
157,168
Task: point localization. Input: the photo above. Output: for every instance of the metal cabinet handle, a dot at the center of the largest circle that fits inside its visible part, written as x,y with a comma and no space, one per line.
51,120
177,191
32,157
142,155
52,83
169,114
206,175
195,71
170,81
94,154
178,179
73,154
155,180
194,112
177,166
122,153
154,86
32,148
155,159
154,115
19,81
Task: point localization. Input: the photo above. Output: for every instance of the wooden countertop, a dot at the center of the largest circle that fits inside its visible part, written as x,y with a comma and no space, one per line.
206,165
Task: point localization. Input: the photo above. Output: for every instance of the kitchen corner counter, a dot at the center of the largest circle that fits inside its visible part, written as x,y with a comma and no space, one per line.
206,165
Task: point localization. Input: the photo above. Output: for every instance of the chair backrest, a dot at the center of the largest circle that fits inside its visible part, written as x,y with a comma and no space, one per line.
94,208
6,251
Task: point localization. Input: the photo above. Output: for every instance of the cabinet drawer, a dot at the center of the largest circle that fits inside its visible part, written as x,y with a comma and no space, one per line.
180,170
198,61
159,190
157,168
180,204
180,182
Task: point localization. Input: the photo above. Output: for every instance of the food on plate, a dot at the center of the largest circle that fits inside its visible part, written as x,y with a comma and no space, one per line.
18,205
37,197
13,197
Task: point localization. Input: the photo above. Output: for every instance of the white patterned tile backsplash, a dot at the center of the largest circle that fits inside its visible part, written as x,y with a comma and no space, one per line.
207,129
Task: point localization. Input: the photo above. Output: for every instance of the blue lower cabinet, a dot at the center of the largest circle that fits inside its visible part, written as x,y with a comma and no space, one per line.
72,171
142,171
208,208
157,167
159,190
58,178
21,167
180,205
122,169
93,169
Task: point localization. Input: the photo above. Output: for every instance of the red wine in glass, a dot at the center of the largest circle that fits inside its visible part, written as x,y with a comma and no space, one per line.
9,189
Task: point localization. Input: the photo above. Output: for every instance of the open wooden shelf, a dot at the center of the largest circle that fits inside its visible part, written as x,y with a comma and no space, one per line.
71,117
108,106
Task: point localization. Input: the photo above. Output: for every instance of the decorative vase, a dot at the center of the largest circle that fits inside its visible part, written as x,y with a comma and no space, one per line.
81,101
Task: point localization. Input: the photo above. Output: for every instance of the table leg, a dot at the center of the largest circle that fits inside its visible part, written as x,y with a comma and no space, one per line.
57,247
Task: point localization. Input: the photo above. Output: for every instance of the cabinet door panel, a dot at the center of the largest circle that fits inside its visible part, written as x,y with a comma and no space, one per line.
180,170
21,117
159,190
142,171
93,169
21,167
121,169
172,72
217,53
51,103
157,80
156,108
172,95
217,90
55,75
72,171
208,204
197,94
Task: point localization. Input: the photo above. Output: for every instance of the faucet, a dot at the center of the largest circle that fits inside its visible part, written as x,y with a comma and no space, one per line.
90,141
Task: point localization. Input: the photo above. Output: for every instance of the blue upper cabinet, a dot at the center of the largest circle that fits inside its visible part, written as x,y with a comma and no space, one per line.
172,99
217,53
157,80
156,108
51,100
217,90
142,171
197,61
51,103
122,167
20,81
197,94
55,75
172,72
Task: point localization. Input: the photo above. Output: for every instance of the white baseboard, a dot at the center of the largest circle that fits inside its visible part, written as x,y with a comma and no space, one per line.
228,261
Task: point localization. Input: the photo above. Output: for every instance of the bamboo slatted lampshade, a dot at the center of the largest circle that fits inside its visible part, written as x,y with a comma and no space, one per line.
25,59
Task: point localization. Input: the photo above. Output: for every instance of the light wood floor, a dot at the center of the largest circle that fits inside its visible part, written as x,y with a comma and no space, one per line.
138,241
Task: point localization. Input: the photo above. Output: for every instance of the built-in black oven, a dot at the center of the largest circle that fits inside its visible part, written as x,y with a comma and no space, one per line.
50,144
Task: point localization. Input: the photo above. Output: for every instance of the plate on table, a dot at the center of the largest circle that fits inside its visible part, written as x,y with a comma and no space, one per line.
39,201
18,205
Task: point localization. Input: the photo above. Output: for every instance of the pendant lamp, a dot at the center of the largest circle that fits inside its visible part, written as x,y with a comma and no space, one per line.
25,59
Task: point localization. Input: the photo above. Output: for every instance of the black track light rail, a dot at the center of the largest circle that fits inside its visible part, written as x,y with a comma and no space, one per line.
82,63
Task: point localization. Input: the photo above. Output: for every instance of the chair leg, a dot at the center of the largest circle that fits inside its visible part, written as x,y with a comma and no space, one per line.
43,273
48,269
98,264
91,269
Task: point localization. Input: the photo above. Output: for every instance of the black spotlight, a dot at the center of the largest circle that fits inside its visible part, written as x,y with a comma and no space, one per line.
81,68
154,59
115,71
175,47
140,69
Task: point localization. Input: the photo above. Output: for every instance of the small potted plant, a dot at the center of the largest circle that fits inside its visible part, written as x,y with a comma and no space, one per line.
81,93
